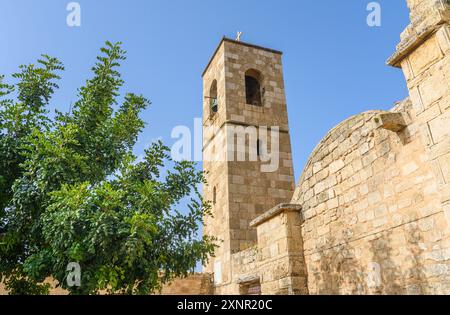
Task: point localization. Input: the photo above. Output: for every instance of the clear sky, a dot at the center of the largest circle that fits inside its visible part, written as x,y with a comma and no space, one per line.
334,63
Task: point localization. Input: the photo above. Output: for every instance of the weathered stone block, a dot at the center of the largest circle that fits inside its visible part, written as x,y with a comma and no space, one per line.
440,128
427,54
390,121
433,88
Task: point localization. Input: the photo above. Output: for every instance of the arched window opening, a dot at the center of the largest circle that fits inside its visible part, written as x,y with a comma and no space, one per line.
253,88
214,195
214,104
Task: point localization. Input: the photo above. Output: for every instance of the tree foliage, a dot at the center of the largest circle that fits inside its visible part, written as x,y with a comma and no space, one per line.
72,191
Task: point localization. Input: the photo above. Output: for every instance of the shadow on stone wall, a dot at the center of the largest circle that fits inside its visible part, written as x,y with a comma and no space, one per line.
339,268
400,277
340,271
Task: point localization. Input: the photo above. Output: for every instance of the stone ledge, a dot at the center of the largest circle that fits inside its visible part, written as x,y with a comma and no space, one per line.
418,32
410,44
283,207
395,122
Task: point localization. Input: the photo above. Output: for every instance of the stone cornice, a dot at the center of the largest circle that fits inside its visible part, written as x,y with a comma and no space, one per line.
283,207
419,31
408,45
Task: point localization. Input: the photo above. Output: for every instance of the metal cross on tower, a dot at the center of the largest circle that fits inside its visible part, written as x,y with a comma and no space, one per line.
238,37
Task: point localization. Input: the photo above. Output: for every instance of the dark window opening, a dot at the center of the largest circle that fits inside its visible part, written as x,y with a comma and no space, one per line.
250,288
214,103
258,147
253,88
254,290
214,195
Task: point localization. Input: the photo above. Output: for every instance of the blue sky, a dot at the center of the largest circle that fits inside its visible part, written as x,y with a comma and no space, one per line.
334,64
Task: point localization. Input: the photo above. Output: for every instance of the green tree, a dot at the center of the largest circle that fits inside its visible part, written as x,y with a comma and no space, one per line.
72,191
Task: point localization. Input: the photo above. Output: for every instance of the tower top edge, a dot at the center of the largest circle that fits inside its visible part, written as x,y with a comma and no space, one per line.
228,40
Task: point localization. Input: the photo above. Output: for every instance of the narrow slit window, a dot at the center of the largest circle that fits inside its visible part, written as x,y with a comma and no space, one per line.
258,147
214,103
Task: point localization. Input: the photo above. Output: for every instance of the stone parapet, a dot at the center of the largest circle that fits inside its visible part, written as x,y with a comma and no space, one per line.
281,263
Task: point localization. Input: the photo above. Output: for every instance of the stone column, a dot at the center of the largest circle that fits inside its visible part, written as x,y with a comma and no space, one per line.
281,264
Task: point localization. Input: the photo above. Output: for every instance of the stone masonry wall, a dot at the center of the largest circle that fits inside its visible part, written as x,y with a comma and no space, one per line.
196,284
427,72
276,264
244,269
281,264
373,218
245,265
215,163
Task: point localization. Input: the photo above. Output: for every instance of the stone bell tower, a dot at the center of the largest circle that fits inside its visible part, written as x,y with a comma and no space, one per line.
246,147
